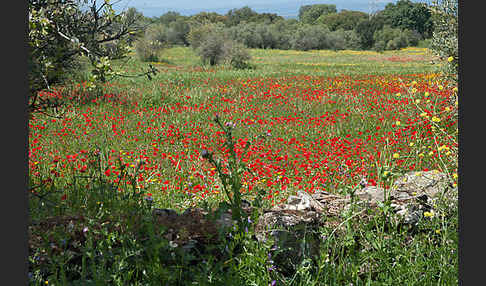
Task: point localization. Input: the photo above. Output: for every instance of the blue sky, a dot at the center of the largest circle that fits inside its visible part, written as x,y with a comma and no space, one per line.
286,8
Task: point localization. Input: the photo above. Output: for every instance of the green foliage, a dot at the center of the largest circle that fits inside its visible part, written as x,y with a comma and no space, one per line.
207,17
140,22
390,38
215,45
211,49
350,40
148,51
308,14
253,35
177,33
198,33
60,32
445,38
236,16
236,55
245,14
310,37
408,15
366,29
169,17
346,20
319,37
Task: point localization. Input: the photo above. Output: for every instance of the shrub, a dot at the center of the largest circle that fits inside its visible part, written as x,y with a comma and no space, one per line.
346,20
444,39
236,55
211,49
198,33
311,37
157,33
366,29
344,40
177,33
217,49
379,46
308,14
147,50
394,38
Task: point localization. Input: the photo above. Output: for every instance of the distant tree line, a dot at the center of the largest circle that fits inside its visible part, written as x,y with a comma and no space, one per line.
318,26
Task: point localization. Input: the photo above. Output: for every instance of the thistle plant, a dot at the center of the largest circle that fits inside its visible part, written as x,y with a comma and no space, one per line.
231,181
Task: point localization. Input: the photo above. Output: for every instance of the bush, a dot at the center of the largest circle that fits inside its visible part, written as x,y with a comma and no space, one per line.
379,46
211,49
157,33
198,33
344,40
311,37
147,50
366,29
394,39
177,33
424,43
236,55
217,49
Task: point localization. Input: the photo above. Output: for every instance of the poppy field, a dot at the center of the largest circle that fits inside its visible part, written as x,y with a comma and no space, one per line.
307,132
311,121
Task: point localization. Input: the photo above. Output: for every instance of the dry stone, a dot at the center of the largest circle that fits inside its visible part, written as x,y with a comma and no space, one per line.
415,193
294,226
372,194
294,229
416,184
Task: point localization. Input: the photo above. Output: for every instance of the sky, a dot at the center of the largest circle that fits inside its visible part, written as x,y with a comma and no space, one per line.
285,8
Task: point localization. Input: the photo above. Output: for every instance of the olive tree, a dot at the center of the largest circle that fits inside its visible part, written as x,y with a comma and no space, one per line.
62,31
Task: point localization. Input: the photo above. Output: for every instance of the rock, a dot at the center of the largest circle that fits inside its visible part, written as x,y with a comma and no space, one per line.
302,201
416,184
372,194
411,212
294,228
415,193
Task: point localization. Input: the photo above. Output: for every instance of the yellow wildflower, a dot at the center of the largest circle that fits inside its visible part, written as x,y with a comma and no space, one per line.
429,214
396,155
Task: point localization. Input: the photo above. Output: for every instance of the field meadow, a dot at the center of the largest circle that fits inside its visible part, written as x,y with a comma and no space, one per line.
316,120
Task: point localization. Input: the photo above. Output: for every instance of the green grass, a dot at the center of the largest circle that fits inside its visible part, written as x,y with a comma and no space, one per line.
102,233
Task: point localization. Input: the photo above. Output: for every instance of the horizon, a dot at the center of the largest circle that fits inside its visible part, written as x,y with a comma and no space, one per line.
285,8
